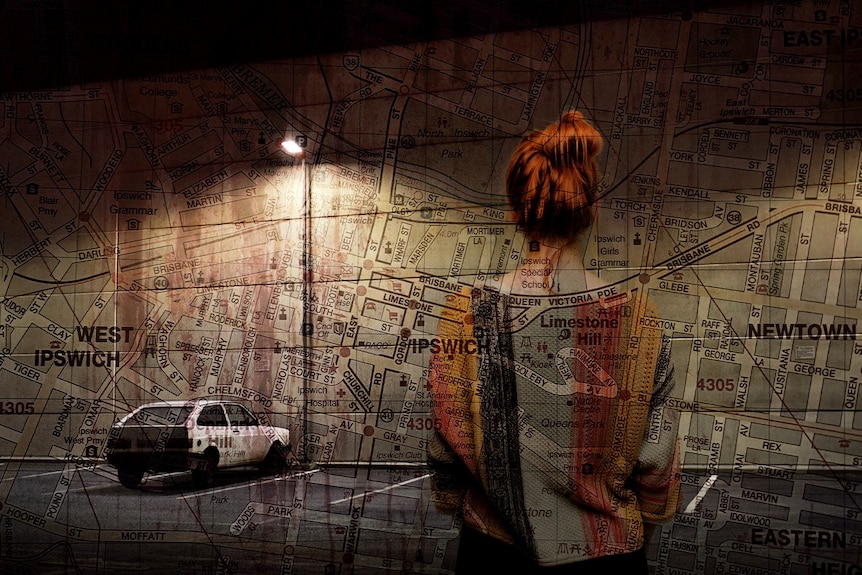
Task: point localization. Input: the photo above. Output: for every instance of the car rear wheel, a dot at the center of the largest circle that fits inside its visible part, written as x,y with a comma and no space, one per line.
130,476
204,477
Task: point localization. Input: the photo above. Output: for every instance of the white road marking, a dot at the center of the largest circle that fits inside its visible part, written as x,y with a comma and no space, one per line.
385,489
244,485
17,477
700,494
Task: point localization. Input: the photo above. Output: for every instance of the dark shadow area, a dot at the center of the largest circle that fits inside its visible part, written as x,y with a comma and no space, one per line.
82,42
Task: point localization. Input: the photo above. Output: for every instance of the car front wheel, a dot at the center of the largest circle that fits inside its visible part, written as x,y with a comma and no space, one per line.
275,460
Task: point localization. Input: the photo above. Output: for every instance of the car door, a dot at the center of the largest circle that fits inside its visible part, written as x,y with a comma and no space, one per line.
213,425
250,443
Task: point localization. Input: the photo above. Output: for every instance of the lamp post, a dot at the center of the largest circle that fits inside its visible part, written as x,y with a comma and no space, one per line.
296,149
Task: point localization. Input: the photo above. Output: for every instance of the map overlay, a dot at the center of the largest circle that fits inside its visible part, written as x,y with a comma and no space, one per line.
158,243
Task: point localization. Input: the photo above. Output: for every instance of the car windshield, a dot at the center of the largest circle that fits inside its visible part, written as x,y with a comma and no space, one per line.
156,414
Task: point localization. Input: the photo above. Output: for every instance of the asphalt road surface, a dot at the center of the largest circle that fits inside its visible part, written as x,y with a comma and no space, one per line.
76,518
73,518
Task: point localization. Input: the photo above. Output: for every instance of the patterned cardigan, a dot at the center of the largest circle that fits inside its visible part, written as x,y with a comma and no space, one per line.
552,428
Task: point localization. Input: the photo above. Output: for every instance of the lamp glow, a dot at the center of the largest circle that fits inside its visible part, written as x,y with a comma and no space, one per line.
291,147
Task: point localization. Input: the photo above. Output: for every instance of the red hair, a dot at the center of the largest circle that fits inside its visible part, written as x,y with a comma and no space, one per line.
551,179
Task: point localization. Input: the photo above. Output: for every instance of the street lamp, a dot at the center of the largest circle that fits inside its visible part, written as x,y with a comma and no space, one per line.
296,148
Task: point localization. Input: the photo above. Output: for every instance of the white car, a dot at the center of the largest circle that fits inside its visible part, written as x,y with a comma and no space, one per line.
200,435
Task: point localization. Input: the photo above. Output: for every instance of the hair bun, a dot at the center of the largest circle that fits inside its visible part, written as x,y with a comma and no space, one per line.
572,140
552,178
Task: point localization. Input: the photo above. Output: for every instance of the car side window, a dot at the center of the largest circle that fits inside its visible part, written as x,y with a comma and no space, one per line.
239,416
212,415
